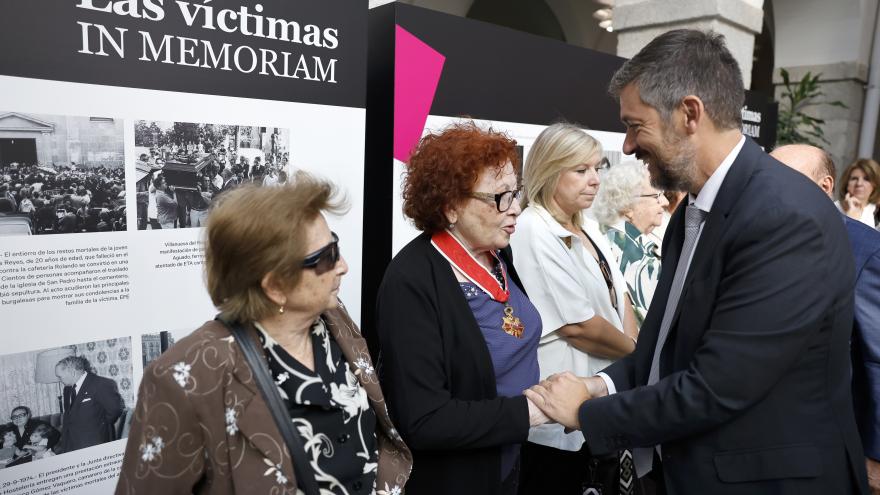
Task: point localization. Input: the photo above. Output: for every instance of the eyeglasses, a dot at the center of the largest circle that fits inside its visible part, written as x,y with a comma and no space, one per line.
502,200
656,196
324,259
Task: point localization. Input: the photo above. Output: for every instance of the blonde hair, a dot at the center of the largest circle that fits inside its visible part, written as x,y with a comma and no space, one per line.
252,231
559,147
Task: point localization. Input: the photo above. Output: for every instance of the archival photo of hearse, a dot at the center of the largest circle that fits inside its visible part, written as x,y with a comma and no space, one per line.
62,399
60,174
182,167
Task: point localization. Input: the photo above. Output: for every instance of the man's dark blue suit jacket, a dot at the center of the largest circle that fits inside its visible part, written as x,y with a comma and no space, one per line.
754,396
865,243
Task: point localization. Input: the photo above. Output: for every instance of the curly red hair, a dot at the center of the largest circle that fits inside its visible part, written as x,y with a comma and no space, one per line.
445,166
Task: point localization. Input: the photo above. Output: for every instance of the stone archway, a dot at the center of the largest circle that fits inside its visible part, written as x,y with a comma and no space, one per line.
20,150
22,139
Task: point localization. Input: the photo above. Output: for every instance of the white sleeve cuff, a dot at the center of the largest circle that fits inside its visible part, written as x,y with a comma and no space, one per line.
608,383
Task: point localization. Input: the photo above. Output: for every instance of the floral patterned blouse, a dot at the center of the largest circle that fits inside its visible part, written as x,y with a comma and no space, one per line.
639,263
330,411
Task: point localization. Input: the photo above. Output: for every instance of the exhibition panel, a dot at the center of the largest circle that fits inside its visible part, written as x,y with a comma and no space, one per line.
121,123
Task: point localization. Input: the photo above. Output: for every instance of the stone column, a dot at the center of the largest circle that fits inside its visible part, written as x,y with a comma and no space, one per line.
637,22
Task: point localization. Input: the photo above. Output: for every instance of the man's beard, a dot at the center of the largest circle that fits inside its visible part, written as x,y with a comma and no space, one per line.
675,173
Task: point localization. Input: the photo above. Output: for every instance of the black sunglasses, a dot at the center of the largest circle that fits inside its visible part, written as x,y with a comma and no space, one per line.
324,259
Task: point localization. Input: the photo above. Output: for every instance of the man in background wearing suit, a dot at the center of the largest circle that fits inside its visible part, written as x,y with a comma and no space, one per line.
739,383
92,405
816,164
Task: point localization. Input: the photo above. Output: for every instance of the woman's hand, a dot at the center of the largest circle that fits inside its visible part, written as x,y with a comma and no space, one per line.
853,206
873,475
536,416
560,397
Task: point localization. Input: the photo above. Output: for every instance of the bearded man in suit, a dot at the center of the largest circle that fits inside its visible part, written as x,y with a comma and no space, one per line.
739,383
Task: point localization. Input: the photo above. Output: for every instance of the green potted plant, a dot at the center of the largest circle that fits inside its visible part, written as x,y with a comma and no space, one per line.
795,126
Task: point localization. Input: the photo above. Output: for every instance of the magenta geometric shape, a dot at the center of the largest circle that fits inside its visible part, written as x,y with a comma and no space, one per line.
417,69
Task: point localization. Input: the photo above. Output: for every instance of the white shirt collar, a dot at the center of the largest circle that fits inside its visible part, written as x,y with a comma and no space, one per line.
555,227
709,192
79,383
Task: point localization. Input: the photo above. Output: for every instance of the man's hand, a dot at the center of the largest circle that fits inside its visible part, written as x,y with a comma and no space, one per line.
873,475
560,396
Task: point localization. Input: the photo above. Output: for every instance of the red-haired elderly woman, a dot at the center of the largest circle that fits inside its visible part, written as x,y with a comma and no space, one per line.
202,424
457,336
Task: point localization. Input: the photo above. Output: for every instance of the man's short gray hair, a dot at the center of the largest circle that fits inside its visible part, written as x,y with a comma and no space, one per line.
686,62
78,363
618,191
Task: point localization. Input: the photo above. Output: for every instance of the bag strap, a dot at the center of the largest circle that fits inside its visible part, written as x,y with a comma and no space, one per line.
305,476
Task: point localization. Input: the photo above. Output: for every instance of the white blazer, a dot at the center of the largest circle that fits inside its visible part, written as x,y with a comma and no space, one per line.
566,286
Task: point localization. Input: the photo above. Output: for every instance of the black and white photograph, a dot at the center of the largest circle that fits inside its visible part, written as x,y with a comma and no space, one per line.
61,174
154,344
63,399
182,167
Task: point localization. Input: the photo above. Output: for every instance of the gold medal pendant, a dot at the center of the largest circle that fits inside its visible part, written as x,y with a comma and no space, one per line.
511,324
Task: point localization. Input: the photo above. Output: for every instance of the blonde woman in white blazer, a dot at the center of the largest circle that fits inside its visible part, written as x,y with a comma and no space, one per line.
569,274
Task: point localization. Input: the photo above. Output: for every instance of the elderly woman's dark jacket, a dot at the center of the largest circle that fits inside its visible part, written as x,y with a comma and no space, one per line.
202,426
438,375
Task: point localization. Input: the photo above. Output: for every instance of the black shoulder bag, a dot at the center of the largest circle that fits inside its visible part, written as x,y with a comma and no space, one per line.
305,477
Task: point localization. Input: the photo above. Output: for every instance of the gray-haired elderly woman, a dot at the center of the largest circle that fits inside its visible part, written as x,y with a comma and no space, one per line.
203,423
628,208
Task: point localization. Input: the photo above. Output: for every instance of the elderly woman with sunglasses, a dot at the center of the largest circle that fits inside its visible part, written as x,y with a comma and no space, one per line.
206,423
566,267
628,209
457,335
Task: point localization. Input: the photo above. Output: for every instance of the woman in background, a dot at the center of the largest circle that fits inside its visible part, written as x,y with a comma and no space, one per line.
570,275
628,209
860,191
457,335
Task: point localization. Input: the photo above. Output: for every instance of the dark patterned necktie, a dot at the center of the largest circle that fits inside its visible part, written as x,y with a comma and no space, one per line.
69,394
